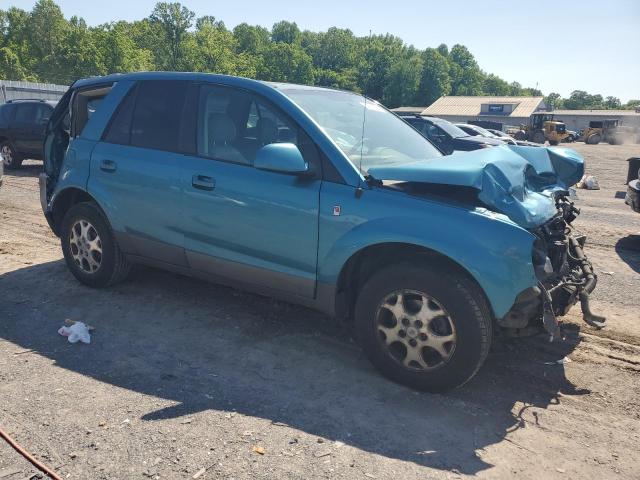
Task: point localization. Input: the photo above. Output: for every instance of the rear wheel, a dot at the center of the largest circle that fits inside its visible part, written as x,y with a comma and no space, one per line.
594,139
89,247
10,158
423,326
553,142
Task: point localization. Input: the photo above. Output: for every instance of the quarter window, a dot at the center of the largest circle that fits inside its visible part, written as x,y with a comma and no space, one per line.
120,128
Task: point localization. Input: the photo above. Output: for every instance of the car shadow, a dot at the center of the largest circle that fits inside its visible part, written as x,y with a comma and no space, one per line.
628,249
210,347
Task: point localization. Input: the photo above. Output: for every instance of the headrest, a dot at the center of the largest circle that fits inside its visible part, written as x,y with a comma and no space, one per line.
267,131
221,128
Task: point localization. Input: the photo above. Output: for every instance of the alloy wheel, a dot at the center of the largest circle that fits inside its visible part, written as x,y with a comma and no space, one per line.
7,155
86,246
416,330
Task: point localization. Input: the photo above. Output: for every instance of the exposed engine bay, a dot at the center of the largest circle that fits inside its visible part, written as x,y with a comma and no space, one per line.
565,274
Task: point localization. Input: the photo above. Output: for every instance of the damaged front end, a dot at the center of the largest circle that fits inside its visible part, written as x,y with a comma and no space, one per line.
565,275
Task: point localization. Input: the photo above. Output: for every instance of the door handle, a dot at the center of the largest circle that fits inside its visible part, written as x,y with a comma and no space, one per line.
108,166
202,182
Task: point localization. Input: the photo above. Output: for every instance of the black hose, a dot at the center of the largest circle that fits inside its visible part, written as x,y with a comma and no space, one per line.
588,316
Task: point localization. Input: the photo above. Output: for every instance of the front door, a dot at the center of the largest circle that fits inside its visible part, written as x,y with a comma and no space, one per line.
251,226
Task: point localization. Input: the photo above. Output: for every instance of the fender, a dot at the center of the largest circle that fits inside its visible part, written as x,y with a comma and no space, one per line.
495,251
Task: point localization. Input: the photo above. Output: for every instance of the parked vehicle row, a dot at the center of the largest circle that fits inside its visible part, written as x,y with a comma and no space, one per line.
449,138
323,198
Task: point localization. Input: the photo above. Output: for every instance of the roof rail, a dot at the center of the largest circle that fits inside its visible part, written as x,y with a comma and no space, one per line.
14,100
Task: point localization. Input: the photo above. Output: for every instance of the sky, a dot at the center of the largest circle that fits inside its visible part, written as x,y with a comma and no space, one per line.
560,46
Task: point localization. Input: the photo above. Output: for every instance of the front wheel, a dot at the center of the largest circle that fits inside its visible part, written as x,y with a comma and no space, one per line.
10,158
89,247
424,326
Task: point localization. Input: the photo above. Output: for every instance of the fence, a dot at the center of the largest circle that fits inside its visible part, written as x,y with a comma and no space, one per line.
11,90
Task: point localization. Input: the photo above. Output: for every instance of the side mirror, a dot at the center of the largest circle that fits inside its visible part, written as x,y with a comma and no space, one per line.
281,158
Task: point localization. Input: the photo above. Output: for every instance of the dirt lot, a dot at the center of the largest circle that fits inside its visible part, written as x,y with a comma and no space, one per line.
182,375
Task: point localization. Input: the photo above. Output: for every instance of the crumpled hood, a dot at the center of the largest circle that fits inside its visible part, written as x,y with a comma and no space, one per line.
516,181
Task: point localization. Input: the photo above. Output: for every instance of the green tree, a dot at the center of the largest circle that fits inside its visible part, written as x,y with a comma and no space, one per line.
287,32
632,104
554,100
494,85
175,20
251,38
284,62
48,29
403,81
612,102
466,77
211,49
435,81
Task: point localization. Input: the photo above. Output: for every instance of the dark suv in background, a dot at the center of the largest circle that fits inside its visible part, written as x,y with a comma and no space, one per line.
446,136
22,128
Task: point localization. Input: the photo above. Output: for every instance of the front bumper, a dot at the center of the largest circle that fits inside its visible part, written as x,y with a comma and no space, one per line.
633,195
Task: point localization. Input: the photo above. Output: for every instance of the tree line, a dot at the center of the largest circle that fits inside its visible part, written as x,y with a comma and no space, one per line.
41,45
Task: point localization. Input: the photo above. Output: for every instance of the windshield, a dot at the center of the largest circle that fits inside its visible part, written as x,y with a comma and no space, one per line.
367,133
450,128
483,131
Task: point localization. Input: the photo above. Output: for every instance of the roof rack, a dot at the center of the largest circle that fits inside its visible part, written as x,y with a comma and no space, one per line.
14,100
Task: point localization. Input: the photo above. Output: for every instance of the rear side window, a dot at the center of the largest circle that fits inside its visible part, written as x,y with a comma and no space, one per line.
157,114
25,113
43,114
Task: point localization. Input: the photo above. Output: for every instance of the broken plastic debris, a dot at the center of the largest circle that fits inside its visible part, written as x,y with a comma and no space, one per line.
78,331
562,361
588,182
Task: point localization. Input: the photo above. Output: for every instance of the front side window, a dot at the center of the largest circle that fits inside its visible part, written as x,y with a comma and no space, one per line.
234,124
366,132
43,113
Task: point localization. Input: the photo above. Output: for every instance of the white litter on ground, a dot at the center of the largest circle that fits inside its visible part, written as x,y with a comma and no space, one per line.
588,182
78,332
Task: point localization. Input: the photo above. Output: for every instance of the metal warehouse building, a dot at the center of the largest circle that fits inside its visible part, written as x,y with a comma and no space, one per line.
503,110
11,90
579,119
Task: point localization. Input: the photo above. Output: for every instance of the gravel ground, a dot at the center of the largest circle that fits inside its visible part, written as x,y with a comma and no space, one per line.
183,375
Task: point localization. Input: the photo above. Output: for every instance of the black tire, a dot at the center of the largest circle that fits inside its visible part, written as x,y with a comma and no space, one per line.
458,296
113,266
538,137
15,161
553,142
594,139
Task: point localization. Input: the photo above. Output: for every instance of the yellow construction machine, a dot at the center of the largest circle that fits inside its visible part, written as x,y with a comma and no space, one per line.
541,128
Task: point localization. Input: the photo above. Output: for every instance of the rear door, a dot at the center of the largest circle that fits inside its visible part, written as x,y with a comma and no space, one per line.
21,127
136,168
252,226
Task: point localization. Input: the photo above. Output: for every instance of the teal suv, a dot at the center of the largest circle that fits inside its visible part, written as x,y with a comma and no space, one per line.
322,198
